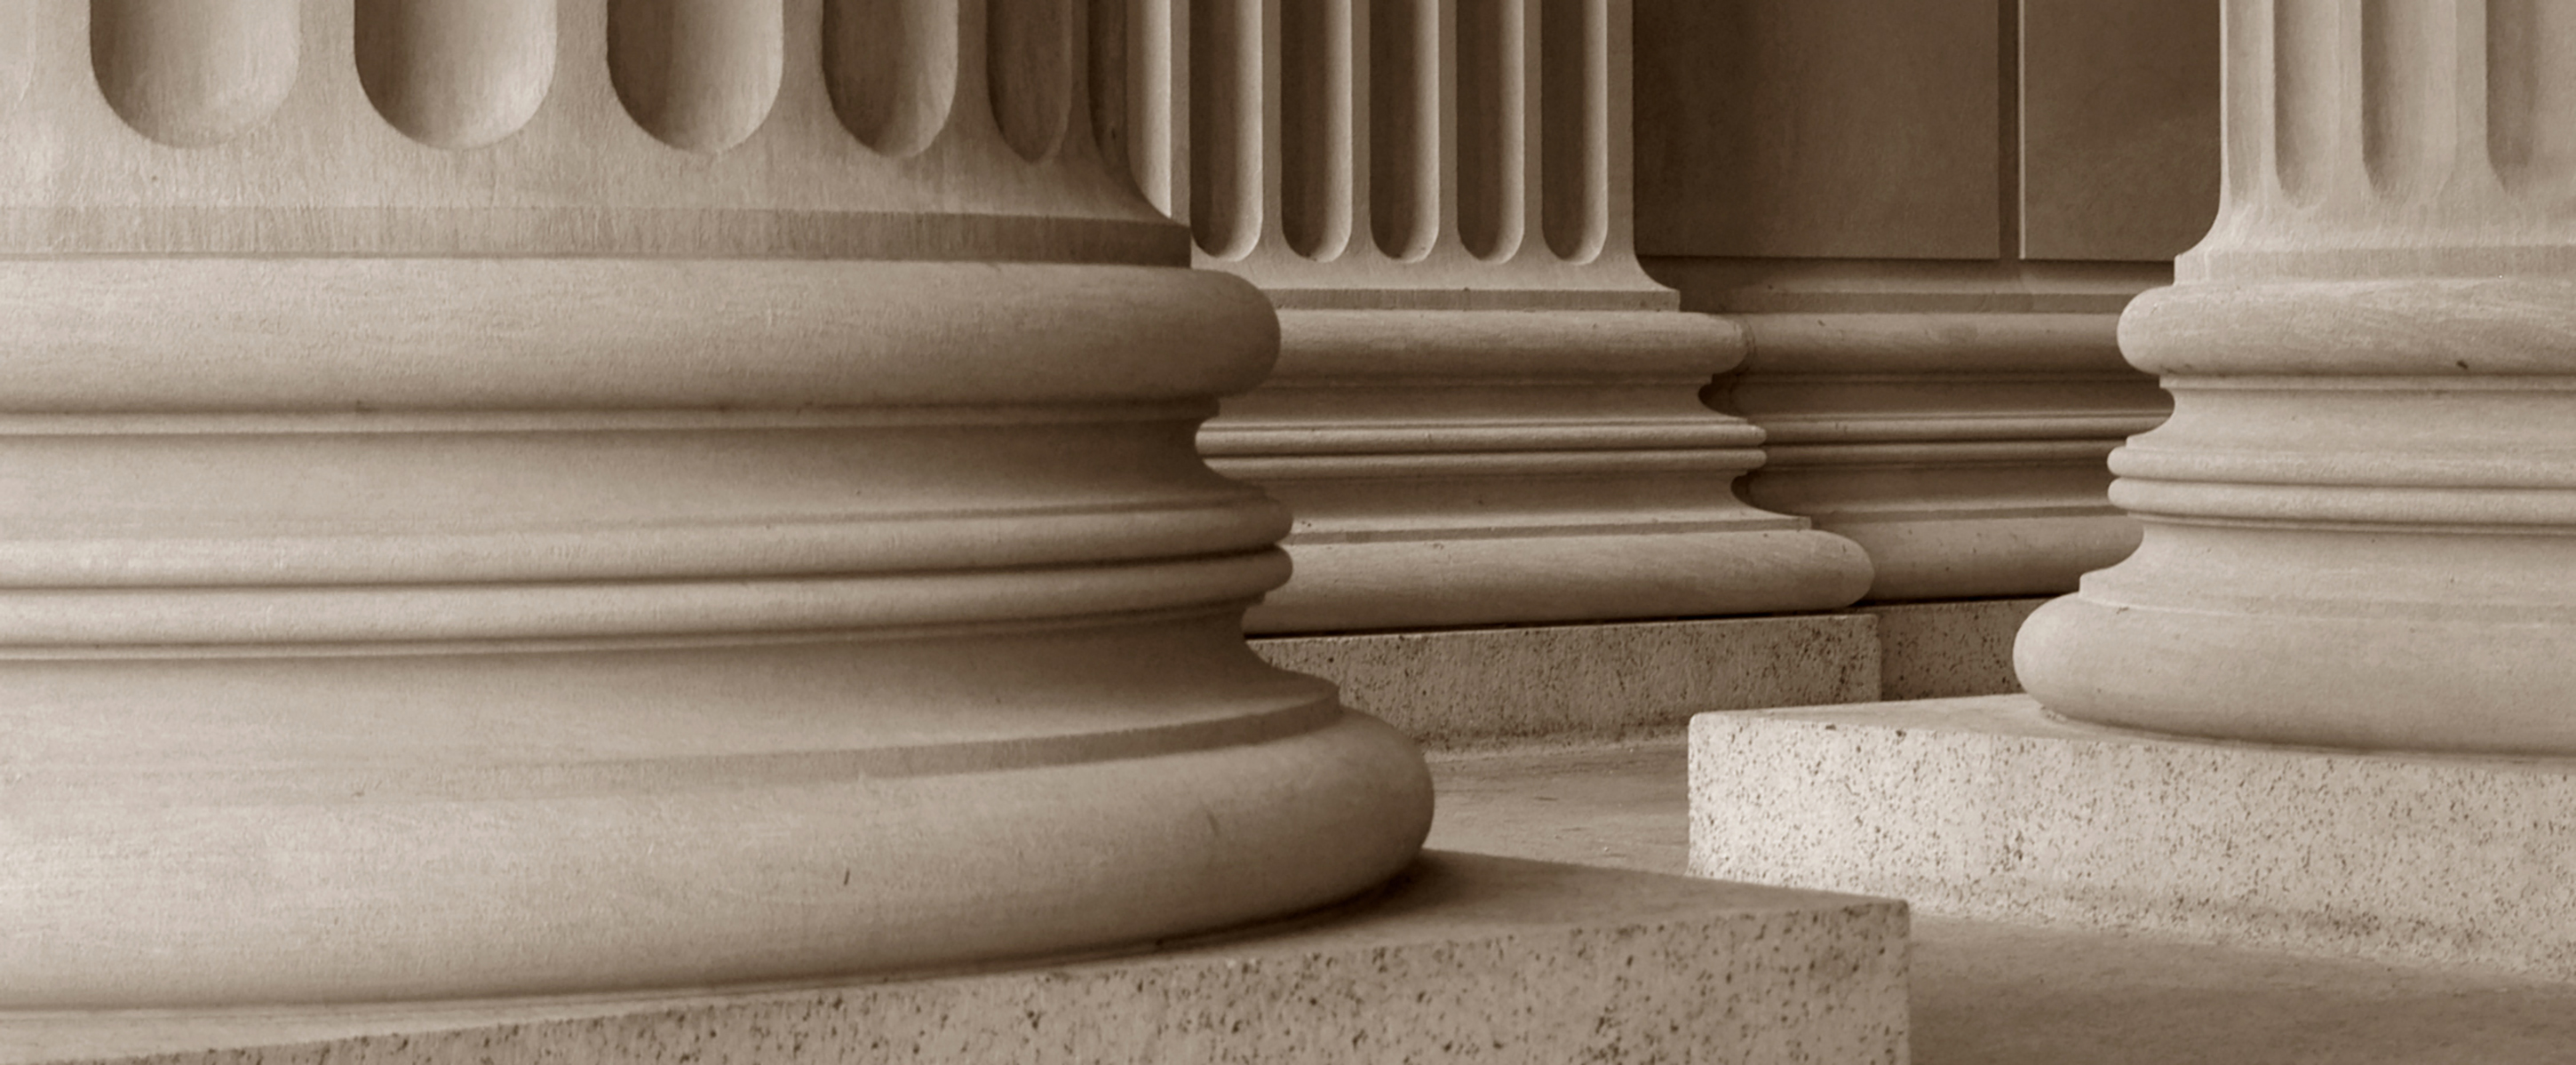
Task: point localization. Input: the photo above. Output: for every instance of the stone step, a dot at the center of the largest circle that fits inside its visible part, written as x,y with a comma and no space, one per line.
1992,808
1988,992
1466,958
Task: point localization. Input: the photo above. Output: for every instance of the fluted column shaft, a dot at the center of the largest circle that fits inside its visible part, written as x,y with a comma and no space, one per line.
2361,521
1484,411
515,497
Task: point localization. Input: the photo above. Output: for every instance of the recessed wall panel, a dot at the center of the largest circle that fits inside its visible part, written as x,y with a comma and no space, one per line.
1819,128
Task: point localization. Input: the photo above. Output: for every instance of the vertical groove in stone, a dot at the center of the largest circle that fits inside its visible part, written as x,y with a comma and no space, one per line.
1155,99
1028,64
2409,51
2310,68
2245,42
1225,126
2531,91
1493,95
1404,132
1156,142
891,69
186,74
1105,80
1315,129
456,73
697,74
1574,126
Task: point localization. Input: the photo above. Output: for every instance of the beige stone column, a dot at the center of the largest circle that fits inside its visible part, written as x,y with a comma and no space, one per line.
1926,217
1484,411
2358,520
514,497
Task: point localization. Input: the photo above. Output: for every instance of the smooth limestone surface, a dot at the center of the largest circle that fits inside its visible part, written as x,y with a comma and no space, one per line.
1467,958
1992,993
1990,807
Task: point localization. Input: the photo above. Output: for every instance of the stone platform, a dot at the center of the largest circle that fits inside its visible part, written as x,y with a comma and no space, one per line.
1466,958
1990,808
1994,993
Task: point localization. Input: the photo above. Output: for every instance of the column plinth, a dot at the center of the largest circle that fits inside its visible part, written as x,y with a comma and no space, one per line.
610,523
2357,521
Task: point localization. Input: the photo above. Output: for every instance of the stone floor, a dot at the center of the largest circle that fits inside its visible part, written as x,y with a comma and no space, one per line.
1994,994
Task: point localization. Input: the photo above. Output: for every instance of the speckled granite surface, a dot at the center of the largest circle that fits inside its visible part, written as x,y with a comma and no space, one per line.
1987,807
1991,993
1471,958
1463,687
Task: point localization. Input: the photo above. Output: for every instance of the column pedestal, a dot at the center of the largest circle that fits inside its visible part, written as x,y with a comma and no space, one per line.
550,499
2361,520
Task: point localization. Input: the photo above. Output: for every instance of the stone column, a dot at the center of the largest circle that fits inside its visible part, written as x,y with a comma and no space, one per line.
1926,216
2358,520
517,497
1484,411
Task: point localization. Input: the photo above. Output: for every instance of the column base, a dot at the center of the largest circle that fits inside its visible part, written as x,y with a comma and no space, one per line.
1488,467
1990,807
1466,957
392,630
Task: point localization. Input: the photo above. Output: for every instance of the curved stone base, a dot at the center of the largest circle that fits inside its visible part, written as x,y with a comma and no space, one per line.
439,628
1951,418
1985,556
536,871
2290,673
1458,467
2360,523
